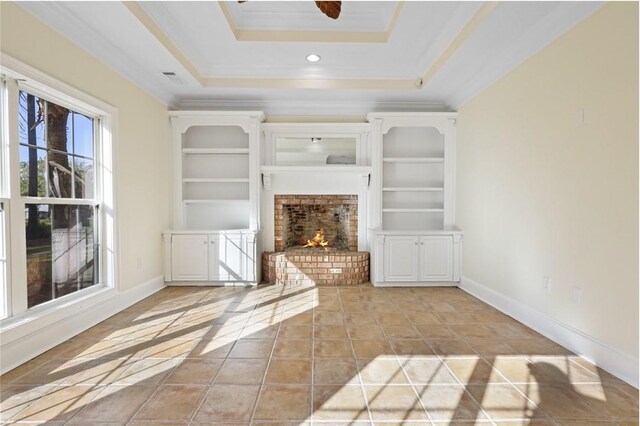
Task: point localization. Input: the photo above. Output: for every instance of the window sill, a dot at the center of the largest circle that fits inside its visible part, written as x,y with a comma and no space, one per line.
33,320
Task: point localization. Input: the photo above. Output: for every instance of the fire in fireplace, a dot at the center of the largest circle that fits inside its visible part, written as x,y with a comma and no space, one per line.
318,240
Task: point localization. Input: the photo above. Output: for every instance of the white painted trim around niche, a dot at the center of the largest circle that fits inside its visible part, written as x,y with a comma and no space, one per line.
18,351
621,365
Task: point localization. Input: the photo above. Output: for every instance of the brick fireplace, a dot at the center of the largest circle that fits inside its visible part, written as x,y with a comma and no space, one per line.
296,220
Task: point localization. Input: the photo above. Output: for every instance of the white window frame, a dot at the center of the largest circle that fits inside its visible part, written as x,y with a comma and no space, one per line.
19,320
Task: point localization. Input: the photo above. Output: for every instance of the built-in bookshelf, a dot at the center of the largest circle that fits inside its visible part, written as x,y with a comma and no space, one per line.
413,174
217,185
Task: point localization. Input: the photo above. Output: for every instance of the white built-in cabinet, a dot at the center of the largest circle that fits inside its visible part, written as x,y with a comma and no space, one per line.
221,256
216,197
414,239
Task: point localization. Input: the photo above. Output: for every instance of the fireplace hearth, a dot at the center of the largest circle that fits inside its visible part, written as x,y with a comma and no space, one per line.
298,220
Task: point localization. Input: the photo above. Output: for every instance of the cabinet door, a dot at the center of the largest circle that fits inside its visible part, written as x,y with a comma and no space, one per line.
249,243
225,262
400,258
189,257
436,258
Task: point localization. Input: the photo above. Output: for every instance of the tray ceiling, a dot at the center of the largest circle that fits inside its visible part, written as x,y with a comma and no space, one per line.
376,56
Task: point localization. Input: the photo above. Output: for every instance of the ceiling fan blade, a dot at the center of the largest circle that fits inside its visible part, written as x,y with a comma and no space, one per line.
330,8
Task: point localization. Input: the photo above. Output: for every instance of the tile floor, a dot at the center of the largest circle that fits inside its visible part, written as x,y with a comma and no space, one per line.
308,355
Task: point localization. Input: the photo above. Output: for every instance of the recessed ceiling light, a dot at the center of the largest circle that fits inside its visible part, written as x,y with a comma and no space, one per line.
313,57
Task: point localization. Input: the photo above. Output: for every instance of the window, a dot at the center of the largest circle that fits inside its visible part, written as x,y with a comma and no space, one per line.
56,162
56,193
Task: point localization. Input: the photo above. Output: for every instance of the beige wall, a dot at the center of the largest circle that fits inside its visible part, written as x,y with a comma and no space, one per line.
143,163
538,194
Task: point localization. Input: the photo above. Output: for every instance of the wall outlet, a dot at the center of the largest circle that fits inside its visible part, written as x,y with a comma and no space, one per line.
576,295
546,282
578,117
139,262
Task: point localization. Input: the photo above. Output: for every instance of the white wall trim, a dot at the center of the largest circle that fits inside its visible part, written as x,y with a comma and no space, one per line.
79,317
604,356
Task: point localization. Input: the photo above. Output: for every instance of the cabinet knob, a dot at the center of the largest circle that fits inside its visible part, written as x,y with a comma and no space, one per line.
415,244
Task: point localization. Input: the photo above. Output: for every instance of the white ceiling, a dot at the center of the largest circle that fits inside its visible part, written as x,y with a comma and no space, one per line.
238,56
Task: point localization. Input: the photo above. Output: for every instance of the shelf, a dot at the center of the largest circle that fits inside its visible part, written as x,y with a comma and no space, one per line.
219,201
414,160
215,150
215,180
414,189
330,168
412,210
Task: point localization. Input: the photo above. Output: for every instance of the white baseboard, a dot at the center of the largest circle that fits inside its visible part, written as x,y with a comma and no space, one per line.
604,356
415,284
15,351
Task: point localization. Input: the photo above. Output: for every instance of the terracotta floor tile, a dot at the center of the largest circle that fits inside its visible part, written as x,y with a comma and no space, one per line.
391,318
15,398
490,347
454,318
426,371
284,403
435,331
366,331
116,403
451,347
217,348
183,400
381,371
251,349
534,347
242,371
329,332
335,371
396,332
147,372
563,402
195,371
59,404
293,348
472,330
394,403
503,401
332,349
346,403
170,349
422,317
93,372
291,371
411,348
473,371
227,403
260,331
359,318
450,404
516,369
295,331
608,399
328,318
372,348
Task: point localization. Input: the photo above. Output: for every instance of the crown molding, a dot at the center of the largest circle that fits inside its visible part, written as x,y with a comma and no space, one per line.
309,107
564,17
59,17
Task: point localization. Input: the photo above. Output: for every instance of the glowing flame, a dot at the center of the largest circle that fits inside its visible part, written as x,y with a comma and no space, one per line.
318,240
